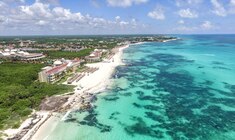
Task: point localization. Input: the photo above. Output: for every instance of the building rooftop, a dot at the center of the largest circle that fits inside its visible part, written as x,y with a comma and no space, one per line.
57,69
47,68
57,62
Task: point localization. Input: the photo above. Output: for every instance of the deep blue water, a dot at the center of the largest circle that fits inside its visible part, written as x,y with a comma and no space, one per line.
179,90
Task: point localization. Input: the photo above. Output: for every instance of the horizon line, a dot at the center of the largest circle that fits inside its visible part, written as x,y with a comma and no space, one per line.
114,34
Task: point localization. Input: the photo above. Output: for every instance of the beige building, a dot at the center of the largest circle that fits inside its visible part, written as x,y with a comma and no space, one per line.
95,56
55,73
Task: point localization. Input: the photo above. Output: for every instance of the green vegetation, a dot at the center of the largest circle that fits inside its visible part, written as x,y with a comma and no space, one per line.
82,67
67,55
1,135
63,79
20,92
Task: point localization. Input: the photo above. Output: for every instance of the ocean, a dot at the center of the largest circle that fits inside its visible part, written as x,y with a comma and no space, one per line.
177,90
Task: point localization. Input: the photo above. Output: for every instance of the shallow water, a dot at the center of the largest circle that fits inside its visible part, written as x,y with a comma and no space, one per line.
178,90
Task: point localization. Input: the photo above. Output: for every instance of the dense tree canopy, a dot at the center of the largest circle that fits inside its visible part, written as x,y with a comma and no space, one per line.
20,92
67,55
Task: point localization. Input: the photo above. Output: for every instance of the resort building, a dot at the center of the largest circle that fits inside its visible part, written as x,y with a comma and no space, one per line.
95,56
25,43
51,74
29,56
73,65
20,55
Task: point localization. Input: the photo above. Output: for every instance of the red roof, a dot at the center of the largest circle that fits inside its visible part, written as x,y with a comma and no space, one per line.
57,69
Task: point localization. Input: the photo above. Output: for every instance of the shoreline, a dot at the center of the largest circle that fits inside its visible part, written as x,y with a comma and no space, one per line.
91,85
97,81
171,40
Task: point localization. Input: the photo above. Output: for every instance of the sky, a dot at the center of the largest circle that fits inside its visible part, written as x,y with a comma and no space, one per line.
85,17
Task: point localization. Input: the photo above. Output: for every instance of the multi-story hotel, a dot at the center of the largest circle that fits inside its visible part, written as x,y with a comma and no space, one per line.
51,74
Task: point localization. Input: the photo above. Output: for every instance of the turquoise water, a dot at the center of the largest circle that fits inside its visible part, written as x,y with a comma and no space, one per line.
179,90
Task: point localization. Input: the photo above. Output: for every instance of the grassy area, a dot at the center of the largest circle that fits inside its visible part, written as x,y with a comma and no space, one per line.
63,79
81,68
20,92
68,55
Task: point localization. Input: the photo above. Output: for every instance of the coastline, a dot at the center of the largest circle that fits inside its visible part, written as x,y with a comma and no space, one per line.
91,85
86,89
171,40
97,81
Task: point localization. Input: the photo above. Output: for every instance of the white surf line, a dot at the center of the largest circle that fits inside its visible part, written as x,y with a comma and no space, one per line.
171,40
64,117
46,137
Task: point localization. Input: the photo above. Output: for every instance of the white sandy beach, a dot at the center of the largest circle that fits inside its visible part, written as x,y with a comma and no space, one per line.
89,84
92,83
46,128
171,40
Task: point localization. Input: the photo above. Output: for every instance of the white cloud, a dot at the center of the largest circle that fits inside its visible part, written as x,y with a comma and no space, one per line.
14,1
42,17
232,2
124,3
36,10
181,22
2,19
207,25
194,1
186,28
218,8
117,18
51,2
122,23
59,11
232,7
187,13
2,4
3,8
157,13
180,3
134,23
221,9
41,22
